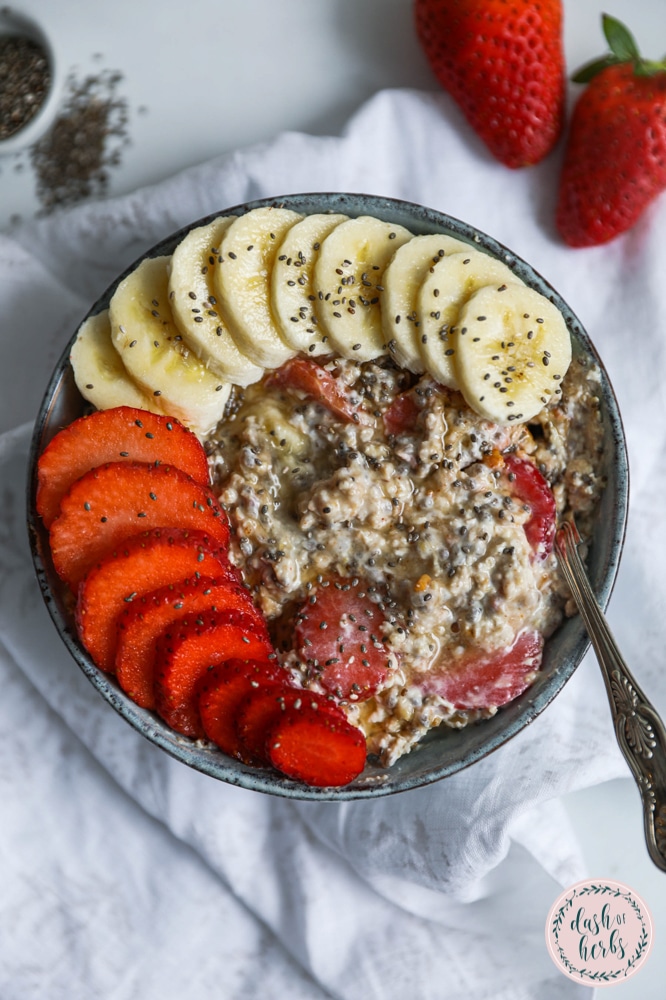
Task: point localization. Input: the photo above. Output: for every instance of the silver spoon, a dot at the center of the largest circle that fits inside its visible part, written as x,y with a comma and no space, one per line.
639,730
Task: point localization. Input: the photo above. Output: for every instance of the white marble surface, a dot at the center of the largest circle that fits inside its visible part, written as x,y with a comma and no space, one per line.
210,76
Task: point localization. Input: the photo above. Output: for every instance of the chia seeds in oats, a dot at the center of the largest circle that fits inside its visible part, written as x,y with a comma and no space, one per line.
25,79
73,160
439,542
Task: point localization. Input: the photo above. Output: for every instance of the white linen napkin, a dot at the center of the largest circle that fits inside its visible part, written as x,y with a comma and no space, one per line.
126,874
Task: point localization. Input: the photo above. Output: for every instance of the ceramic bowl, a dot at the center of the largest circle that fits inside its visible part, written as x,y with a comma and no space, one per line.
444,751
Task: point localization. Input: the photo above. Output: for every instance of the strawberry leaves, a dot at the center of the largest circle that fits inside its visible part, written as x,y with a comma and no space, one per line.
623,49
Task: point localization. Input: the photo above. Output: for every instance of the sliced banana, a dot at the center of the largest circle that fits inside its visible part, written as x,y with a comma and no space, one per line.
513,350
292,292
153,352
194,305
99,372
445,289
243,283
402,280
348,283
243,294
275,423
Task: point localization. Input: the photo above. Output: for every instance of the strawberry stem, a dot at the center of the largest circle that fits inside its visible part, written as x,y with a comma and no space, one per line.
623,49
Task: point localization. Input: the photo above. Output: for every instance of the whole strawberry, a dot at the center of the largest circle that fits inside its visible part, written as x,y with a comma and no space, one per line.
502,61
615,157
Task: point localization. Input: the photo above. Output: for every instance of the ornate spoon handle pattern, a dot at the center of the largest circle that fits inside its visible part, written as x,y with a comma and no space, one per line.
639,730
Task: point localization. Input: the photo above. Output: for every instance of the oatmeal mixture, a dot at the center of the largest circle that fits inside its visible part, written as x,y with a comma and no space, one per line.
412,502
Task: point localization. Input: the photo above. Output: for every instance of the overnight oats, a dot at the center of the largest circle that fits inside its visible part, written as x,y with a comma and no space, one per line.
390,427
423,514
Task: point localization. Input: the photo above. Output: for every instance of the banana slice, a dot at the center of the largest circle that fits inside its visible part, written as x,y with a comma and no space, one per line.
243,283
194,305
153,351
402,280
348,283
99,372
445,289
291,283
513,350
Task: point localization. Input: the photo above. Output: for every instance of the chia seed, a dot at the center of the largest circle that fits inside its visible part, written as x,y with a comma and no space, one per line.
73,160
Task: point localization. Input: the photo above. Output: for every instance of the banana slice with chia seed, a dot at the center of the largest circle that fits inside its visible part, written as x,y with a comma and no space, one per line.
243,283
445,289
292,293
403,277
194,305
513,350
99,372
153,351
348,283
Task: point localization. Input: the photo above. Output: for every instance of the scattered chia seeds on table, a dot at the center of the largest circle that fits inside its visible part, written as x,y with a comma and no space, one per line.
73,160
25,78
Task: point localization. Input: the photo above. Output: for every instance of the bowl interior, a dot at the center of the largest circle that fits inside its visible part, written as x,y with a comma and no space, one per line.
443,751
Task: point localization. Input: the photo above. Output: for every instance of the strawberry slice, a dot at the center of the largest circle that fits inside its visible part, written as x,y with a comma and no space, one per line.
140,564
315,747
482,679
530,486
221,695
261,709
118,500
142,622
337,635
401,415
319,384
187,651
123,433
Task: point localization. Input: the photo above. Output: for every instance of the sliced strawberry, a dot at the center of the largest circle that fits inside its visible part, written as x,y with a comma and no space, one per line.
319,384
120,499
223,691
316,748
140,564
402,414
123,433
482,679
143,621
186,652
261,709
530,486
337,636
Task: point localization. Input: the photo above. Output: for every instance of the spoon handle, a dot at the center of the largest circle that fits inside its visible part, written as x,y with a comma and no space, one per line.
639,730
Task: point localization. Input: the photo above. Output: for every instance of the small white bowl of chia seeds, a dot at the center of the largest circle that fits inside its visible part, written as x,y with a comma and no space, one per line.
29,81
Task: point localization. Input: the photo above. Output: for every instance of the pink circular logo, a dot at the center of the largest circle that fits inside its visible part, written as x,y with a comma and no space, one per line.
599,932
